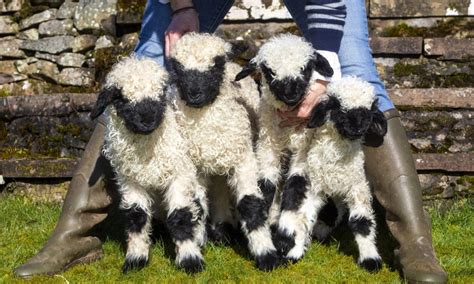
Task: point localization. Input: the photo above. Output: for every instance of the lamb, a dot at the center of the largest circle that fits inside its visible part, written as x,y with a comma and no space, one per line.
287,63
335,161
215,118
150,158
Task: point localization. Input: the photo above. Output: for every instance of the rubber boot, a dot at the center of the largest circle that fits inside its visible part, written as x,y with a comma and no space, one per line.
391,171
84,207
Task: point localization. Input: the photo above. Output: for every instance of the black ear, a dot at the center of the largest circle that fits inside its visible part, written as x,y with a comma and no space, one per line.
321,65
238,47
247,70
378,126
106,97
319,113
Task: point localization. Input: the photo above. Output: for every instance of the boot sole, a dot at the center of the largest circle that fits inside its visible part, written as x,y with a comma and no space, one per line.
88,258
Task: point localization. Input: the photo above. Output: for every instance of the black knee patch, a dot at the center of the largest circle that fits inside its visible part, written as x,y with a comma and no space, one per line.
252,211
136,219
268,190
328,213
134,264
360,225
282,242
294,192
180,224
371,264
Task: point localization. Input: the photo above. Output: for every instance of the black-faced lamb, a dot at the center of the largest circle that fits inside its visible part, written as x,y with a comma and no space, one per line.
287,63
215,118
150,156
335,160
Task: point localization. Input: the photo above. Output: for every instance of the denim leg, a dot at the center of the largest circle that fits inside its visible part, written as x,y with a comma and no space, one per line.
355,55
157,18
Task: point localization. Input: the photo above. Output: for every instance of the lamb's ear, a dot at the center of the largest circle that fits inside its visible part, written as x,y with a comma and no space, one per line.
378,126
321,65
247,70
106,97
319,113
238,47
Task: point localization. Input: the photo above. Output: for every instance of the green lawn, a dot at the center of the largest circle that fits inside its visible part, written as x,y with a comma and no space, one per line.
25,226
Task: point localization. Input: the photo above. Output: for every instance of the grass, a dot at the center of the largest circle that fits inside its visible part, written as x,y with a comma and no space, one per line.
25,226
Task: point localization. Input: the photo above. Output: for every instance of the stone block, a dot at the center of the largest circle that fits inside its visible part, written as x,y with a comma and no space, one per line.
258,10
67,9
449,48
8,26
46,56
10,5
83,43
7,67
418,8
104,42
53,45
71,59
38,18
56,27
30,34
396,45
47,70
11,78
90,13
77,77
11,48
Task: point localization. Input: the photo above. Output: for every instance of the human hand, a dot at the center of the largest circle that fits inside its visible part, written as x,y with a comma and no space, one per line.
299,116
181,23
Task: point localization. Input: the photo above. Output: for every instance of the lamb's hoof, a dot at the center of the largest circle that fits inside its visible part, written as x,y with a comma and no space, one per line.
268,262
220,233
134,264
192,264
291,260
372,265
282,242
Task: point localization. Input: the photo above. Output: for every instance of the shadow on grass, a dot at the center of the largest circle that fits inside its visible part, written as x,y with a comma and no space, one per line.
386,243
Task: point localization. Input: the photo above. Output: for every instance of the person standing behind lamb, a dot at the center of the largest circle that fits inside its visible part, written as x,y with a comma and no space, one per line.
389,165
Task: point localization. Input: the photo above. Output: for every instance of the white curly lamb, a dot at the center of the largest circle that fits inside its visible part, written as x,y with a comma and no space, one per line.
287,63
215,117
149,155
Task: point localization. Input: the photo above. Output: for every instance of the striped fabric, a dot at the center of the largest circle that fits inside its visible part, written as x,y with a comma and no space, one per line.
325,19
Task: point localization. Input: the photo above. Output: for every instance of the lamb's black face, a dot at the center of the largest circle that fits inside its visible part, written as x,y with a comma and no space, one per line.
289,90
351,124
198,88
141,117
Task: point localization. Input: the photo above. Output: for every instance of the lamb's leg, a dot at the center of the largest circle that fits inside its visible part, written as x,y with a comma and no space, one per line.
136,203
329,218
300,202
222,223
253,214
362,224
187,210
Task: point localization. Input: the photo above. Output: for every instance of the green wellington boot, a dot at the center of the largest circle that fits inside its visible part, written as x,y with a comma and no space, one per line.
85,206
391,171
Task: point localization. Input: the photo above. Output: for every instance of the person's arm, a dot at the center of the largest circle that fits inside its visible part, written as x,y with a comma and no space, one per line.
325,21
182,21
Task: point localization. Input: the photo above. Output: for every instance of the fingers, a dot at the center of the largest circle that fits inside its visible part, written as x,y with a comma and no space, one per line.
171,38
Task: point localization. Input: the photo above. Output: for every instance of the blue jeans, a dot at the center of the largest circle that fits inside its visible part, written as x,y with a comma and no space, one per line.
355,55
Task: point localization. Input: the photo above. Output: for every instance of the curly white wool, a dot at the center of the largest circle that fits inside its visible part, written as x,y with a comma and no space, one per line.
203,59
134,71
352,93
286,55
